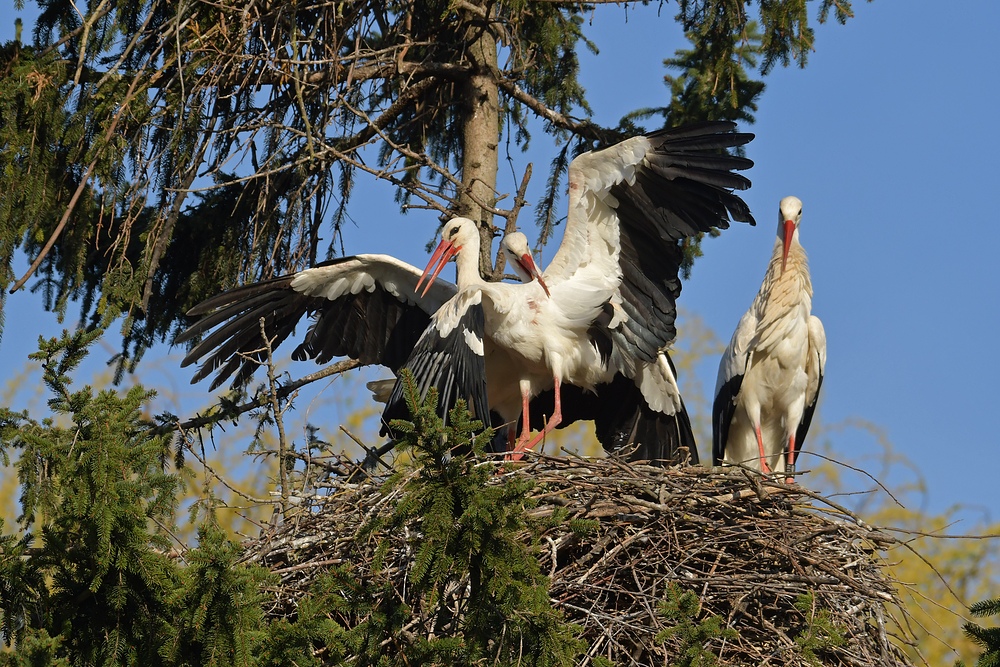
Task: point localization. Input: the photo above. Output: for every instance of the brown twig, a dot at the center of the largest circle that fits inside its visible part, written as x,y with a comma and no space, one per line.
261,400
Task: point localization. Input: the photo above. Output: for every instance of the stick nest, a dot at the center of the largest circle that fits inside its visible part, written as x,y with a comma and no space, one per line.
797,577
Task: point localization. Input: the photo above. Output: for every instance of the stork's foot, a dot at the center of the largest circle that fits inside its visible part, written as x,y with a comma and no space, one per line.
517,451
515,455
527,443
537,440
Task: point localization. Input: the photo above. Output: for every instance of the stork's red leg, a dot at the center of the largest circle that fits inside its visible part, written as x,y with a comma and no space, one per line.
517,452
764,467
553,421
791,459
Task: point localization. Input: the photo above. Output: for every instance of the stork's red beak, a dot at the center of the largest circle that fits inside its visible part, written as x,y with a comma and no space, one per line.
528,265
789,231
442,255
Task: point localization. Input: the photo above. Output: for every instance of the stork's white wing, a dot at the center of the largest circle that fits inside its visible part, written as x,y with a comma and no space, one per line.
366,308
591,232
630,208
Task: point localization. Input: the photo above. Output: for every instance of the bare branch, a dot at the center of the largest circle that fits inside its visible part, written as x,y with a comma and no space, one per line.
260,400
582,128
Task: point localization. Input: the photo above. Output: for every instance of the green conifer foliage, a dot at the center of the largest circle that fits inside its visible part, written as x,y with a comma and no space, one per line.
218,605
94,577
820,632
696,637
470,530
987,638
90,491
36,649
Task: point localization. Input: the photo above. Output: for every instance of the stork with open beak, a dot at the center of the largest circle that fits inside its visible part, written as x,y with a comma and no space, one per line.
611,286
772,371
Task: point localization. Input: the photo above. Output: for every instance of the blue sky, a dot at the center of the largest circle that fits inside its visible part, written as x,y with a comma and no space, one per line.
888,137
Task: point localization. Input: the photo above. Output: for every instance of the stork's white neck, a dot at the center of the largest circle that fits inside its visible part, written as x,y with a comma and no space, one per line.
467,263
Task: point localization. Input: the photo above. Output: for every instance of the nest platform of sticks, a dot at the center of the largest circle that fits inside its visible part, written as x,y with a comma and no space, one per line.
765,560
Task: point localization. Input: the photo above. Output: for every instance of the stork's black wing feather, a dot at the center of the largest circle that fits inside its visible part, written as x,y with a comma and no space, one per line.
624,423
684,188
722,416
453,363
807,416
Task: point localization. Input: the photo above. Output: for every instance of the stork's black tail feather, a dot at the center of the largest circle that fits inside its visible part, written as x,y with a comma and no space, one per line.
624,423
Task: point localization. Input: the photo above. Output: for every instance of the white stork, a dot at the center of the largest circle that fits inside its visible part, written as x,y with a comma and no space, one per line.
614,280
604,308
623,421
366,307
771,373
517,253
465,350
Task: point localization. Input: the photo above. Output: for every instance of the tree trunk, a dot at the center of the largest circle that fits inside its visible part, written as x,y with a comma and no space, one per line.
481,129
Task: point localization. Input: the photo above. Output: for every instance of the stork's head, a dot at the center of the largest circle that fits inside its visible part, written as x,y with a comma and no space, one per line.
456,234
518,254
789,217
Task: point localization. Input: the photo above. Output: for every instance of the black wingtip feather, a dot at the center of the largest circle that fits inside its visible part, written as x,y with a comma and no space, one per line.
373,327
450,365
624,423
722,416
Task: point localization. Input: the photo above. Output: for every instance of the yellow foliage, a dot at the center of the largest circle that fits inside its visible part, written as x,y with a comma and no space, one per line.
577,438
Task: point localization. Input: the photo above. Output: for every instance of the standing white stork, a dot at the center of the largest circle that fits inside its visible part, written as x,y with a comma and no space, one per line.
516,252
623,422
614,280
771,373
465,350
366,307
